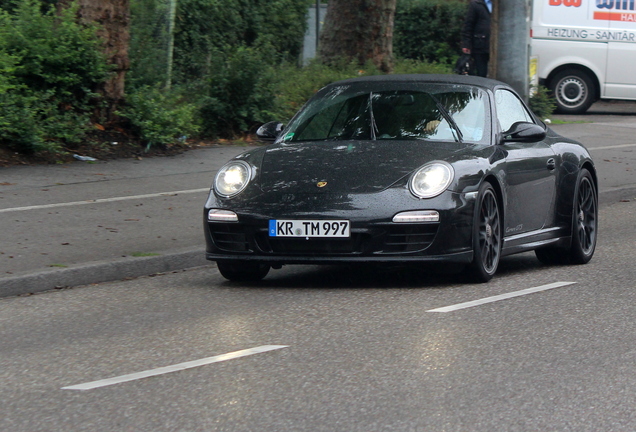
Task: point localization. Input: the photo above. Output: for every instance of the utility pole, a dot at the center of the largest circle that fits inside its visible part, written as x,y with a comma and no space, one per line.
510,44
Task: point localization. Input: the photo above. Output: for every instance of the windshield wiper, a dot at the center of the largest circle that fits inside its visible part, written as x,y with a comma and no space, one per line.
374,126
459,137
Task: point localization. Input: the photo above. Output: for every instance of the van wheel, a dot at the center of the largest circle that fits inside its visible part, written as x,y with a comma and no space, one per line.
573,90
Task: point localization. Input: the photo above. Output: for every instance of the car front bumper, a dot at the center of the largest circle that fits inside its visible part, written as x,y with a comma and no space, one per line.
374,236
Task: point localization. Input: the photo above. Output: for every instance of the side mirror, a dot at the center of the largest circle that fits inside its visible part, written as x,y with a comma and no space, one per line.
269,131
524,132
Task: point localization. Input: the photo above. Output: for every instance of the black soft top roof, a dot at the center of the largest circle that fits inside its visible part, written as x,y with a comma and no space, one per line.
426,78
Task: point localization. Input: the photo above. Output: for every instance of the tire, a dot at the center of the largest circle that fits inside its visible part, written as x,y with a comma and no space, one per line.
487,235
574,91
584,227
584,220
240,271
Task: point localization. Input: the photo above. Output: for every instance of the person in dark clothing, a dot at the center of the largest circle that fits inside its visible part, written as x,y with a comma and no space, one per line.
476,34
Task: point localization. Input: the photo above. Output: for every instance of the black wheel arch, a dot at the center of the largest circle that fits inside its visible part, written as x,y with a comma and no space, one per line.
499,193
590,167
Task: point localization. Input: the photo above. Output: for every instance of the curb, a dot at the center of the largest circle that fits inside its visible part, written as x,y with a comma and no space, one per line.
101,271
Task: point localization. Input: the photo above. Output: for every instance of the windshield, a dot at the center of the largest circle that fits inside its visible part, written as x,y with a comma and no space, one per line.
433,112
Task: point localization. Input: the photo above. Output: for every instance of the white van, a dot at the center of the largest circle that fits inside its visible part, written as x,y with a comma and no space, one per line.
585,50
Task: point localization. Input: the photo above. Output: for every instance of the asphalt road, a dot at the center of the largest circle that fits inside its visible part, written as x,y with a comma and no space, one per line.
352,350
82,223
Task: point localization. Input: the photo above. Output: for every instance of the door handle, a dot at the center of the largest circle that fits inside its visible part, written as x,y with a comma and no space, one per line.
551,164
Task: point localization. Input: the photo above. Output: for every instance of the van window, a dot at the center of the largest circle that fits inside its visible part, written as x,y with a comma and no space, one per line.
510,109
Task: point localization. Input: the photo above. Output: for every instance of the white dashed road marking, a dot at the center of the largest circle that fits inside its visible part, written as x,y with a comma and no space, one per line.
500,297
265,348
103,200
612,147
174,368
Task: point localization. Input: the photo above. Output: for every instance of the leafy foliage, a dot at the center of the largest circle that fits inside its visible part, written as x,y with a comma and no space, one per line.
429,30
225,56
410,66
241,90
50,69
207,32
542,102
159,117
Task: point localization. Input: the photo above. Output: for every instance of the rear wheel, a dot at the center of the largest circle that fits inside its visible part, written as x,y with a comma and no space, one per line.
585,220
242,271
487,235
573,90
584,226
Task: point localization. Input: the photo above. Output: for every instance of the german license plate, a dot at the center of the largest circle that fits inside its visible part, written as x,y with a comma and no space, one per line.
309,228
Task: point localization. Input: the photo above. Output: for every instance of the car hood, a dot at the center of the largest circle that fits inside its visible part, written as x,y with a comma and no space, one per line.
351,166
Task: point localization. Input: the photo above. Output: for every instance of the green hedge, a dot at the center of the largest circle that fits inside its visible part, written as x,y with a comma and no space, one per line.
429,30
50,67
240,91
207,32
159,117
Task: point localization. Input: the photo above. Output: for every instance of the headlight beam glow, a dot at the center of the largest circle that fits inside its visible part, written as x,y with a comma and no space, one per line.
232,178
431,180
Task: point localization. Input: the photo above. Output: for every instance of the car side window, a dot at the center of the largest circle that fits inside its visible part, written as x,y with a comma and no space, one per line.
510,109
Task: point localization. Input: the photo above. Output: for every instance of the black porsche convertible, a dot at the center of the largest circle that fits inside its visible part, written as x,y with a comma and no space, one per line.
408,169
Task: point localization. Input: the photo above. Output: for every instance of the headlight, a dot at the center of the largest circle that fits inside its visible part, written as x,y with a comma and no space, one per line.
232,178
431,180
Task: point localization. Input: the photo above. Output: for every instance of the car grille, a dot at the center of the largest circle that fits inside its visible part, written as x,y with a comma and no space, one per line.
409,238
292,246
230,237
378,239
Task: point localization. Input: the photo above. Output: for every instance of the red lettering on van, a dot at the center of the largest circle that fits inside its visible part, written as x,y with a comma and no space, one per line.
574,3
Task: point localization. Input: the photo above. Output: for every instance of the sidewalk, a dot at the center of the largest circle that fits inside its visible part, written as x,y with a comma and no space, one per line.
84,223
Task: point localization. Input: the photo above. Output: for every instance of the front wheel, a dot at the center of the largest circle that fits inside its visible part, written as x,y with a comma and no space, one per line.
242,271
487,235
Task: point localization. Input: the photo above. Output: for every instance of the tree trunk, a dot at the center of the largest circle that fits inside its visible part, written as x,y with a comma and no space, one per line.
113,16
359,30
